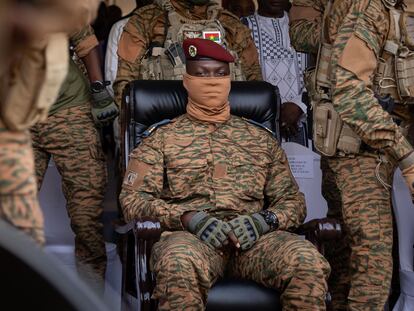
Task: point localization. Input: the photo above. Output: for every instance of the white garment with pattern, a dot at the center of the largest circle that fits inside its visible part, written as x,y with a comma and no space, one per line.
281,65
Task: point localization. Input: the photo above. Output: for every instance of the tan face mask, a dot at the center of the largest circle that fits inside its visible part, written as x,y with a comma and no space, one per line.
208,98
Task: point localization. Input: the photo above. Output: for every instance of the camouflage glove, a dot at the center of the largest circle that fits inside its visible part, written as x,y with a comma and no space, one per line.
407,168
210,230
248,229
104,109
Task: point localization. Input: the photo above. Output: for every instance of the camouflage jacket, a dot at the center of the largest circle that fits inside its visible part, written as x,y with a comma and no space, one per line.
147,25
358,31
226,169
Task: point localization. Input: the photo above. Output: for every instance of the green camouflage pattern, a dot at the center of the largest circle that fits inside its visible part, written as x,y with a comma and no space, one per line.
353,98
186,268
305,32
225,169
362,260
146,25
70,138
19,204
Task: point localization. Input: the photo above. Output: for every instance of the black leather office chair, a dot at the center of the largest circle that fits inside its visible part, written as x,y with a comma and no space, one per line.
149,102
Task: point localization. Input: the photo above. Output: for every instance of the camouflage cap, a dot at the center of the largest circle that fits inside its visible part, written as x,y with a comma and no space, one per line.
196,49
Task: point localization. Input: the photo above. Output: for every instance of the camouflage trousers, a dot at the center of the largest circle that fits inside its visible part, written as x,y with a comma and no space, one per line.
186,268
362,261
70,137
19,205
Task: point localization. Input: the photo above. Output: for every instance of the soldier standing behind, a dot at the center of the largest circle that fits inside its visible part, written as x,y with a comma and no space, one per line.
69,136
33,66
360,53
206,176
150,46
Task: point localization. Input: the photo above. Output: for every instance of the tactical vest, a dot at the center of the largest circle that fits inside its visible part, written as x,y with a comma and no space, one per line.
167,62
395,72
394,77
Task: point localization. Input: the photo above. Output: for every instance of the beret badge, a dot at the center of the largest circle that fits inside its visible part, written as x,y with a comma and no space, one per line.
192,50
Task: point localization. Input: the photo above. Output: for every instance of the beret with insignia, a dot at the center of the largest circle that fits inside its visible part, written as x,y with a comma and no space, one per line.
199,49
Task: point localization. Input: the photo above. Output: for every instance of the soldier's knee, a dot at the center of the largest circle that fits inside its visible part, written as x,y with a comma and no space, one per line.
307,260
176,252
174,259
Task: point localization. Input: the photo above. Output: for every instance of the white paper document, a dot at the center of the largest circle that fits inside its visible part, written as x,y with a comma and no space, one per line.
301,166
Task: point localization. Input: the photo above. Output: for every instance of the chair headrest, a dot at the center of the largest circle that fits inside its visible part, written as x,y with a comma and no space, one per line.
150,102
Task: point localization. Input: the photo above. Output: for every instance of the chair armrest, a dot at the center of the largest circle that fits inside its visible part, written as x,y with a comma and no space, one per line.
140,235
320,231
145,228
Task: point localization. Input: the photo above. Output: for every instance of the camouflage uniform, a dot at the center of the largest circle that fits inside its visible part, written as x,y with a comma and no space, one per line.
147,25
357,186
70,137
226,169
23,83
18,194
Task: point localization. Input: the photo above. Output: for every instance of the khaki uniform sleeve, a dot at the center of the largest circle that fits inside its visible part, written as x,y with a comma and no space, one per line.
78,13
143,184
65,16
357,47
240,40
282,191
84,41
305,18
132,46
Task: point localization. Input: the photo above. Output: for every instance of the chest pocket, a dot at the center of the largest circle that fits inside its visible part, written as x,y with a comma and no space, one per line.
186,167
248,177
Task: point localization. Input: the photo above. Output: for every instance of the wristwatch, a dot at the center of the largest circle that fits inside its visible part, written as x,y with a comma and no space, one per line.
271,219
98,86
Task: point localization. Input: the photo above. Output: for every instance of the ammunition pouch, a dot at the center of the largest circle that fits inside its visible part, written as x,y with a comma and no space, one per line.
330,134
326,128
407,28
317,81
404,70
323,66
385,83
159,66
395,71
35,83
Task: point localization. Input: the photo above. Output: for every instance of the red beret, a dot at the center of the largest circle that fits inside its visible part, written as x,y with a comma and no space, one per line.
197,48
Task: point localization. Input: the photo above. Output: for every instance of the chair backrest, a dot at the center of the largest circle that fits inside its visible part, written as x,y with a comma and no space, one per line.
146,103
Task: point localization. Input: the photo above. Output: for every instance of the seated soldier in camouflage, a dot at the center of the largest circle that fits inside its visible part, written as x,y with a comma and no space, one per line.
206,176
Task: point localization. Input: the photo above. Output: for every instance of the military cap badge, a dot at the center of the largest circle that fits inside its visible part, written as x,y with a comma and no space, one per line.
192,50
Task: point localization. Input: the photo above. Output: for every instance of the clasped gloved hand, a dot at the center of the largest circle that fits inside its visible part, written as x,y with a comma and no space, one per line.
248,229
211,230
104,108
407,167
